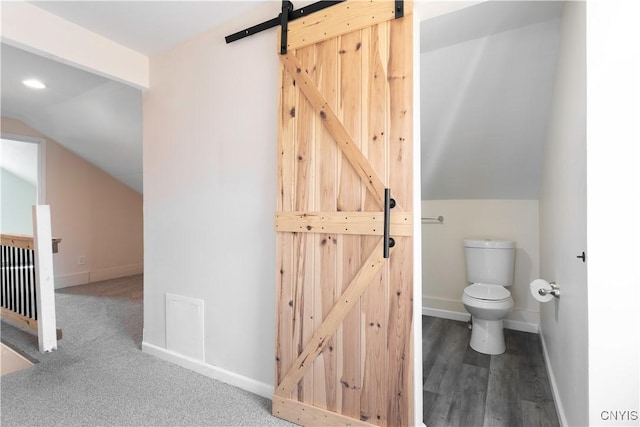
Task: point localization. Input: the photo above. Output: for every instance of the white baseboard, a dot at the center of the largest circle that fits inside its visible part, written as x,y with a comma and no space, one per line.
518,325
69,280
211,371
84,277
515,325
445,314
115,272
552,380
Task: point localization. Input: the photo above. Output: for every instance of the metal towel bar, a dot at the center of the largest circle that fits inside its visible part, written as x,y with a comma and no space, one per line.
440,219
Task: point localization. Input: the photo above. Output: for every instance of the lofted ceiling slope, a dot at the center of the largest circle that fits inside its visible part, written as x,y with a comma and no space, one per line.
96,118
487,76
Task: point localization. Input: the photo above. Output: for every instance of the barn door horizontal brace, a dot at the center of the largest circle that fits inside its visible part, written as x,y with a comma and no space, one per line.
283,18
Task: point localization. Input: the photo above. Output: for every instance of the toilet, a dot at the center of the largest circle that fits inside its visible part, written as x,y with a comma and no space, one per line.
489,265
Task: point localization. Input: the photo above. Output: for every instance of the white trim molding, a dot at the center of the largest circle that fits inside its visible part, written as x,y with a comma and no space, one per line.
115,272
516,325
84,277
211,371
71,44
554,385
42,161
518,320
69,280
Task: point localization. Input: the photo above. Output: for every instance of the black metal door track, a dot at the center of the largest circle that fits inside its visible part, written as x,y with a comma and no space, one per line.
288,14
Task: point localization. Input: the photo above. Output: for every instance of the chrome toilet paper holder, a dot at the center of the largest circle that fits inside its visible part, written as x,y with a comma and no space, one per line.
555,290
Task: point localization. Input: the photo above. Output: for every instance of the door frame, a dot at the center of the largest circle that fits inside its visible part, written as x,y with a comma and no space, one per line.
41,189
417,227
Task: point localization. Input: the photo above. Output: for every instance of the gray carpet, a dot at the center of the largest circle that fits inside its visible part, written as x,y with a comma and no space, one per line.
99,375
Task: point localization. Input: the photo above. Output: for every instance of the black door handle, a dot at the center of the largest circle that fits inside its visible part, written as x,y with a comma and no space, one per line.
583,256
389,204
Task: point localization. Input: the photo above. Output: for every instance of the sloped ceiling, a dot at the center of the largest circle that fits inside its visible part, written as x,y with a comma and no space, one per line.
96,118
487,75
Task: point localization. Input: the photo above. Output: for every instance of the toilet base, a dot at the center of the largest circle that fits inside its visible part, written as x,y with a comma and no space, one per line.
487,336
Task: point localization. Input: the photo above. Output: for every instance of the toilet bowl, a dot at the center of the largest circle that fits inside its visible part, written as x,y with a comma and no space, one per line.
489,267
488,305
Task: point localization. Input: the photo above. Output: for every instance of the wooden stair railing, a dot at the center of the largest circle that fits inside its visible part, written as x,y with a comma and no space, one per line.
25,241
27,282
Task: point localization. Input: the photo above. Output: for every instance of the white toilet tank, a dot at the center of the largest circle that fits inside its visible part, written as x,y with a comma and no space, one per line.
490,261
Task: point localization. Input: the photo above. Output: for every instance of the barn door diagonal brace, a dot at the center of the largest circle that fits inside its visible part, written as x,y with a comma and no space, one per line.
335,127
331,322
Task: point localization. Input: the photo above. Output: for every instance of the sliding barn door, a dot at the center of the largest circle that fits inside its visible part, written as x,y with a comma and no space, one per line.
344,311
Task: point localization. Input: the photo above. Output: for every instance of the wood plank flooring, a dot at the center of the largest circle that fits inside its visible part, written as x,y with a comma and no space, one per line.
465,388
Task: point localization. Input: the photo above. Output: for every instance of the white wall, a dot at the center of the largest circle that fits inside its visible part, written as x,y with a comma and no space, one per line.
210,139
613,205
443,263
95,215
485,110
563,225
17,196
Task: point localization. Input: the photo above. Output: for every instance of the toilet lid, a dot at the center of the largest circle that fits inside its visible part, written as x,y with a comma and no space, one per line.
487,292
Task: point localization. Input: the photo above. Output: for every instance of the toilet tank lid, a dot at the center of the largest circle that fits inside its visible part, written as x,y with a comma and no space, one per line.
489,244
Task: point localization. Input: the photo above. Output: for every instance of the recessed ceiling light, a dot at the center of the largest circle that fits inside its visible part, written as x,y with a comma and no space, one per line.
34,84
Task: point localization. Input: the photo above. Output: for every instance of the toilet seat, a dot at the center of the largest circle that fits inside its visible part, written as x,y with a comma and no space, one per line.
485,292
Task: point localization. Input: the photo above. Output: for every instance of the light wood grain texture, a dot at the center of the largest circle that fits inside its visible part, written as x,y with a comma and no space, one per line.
375,301
24,321
358,347
349,111
337,20
19,319
360,223
335,127
400,130
345,303
284,259
17,241
24,241
325,367
307,415
304,255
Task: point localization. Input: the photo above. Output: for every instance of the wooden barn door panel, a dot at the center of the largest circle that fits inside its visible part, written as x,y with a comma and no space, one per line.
344,312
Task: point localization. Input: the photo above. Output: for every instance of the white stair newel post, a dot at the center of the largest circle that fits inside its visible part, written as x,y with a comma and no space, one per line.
47,340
